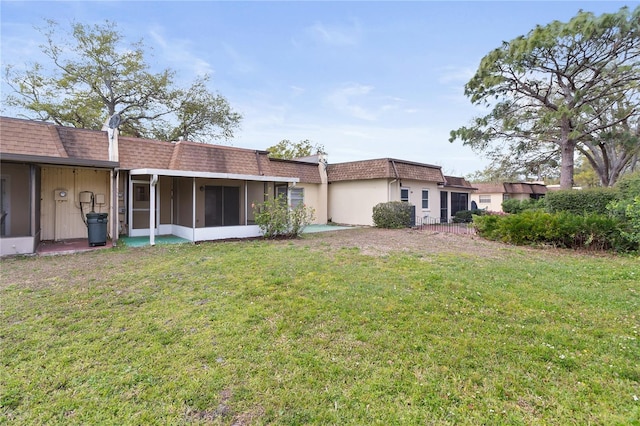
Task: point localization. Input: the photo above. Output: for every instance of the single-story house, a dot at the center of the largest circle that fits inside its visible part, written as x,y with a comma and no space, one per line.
356,187
489,196
52,176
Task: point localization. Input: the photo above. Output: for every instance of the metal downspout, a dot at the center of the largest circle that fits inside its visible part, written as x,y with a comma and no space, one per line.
152,209
395,172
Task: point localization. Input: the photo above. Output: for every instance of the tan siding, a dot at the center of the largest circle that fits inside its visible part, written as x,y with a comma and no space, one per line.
352,202
63,219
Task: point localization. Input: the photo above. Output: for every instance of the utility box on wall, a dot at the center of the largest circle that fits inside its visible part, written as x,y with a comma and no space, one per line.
85,197
61,195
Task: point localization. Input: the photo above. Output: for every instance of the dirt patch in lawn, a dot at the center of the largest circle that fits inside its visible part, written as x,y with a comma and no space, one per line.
381,242
58,271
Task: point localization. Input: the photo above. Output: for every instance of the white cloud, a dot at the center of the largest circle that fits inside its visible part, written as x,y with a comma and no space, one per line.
345,101
337,35
239,62
297,91
178,53
458,76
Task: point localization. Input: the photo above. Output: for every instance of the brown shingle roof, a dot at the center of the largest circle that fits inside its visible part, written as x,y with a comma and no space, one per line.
27,137
489,188
307,172
216,159
82,143
458,182
136,153
199,157
384,168
38,141
511,188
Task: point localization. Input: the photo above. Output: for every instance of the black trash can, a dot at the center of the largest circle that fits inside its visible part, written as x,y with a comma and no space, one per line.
97,229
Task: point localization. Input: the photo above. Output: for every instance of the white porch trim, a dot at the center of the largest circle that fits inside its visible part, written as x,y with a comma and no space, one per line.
208,175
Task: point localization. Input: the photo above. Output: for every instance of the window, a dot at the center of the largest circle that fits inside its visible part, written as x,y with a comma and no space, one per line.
459,201
505,197
297,197
484,199
404,194
425,198
281,191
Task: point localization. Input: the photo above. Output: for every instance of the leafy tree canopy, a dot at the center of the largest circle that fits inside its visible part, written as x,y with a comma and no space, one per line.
94,74
562,88
288,150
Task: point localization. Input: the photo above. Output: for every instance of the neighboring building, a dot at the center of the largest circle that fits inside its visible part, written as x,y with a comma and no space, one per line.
356,187
52,176
456,193
489,196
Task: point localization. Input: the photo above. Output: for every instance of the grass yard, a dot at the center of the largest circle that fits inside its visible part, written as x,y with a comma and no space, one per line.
329,329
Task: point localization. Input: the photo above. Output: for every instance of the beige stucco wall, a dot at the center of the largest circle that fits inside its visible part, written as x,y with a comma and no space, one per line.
62,219
415,197
496,200
352,202
315,198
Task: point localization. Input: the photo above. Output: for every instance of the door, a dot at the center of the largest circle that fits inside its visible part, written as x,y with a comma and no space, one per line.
141,205
4,206
221,206
212,206
459,202
444,207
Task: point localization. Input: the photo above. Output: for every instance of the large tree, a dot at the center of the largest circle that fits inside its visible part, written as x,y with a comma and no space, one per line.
95,74
290,150
563,87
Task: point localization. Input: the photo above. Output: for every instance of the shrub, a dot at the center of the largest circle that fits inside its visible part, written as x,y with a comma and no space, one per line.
562,229
586,201
276,219
629,185
517,206
466,216
393,215
627,208
487,225
628,212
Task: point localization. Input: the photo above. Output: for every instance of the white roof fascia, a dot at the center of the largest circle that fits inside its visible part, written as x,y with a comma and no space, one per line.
209,175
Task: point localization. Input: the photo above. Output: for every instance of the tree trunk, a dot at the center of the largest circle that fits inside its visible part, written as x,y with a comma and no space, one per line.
567,150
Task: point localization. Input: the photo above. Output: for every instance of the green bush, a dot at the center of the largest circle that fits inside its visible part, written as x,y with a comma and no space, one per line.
466,216
276,219
586,201
628,186
393,215
627,207
487,225
517,206
561,229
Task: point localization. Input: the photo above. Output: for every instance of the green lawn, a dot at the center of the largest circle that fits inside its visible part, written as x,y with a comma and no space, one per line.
259,332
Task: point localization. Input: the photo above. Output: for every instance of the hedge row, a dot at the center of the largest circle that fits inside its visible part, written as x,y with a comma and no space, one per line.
580,202
561,229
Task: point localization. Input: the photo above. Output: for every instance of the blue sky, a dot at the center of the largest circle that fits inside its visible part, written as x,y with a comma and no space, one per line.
363,79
